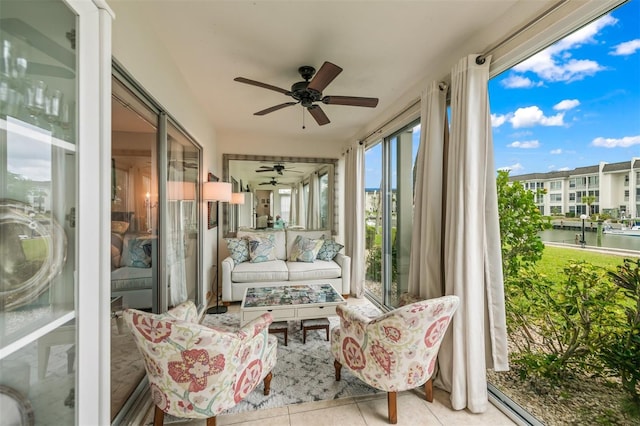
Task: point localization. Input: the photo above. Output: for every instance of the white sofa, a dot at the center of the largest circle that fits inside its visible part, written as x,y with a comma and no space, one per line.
238,277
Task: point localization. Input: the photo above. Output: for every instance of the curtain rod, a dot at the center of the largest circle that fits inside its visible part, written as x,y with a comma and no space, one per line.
480,59
442,86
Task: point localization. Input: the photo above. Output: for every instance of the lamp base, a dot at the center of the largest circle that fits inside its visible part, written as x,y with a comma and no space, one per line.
215,310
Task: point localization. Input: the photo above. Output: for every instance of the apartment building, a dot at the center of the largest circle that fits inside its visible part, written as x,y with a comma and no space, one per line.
615,186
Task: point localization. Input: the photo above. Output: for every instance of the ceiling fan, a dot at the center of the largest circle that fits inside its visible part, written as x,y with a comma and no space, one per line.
309,91
278,168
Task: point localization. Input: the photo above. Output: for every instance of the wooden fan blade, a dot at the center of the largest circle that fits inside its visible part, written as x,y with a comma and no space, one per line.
319,115
265,170
263,85
274,108
324,76
351,101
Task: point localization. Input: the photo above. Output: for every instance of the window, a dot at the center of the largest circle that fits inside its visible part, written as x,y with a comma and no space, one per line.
572,196
626,195
555,198
593,181
626,180
555,185
572,183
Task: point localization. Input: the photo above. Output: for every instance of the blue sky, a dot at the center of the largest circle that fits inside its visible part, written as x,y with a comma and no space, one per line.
576,103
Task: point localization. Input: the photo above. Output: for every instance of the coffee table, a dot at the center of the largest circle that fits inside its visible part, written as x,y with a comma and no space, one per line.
292,302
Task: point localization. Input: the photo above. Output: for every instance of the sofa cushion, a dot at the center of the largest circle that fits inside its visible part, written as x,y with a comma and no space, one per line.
261,249
136,251
329,250
238,249
305,249
279,237
320,269
314,235
248,272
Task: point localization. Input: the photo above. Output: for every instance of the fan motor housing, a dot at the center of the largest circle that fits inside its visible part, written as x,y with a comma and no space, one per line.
307,97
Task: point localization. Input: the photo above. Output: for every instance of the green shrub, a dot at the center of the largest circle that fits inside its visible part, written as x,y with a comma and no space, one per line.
622,354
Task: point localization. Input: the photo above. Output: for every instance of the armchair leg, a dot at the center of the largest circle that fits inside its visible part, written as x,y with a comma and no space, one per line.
392,407
211,421
158,416
267,384
337,367
428,390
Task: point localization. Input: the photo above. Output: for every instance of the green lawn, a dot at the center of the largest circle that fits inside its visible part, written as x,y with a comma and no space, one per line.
554,260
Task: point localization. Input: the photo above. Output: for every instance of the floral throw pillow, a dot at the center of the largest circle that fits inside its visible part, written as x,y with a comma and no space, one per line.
305,249
329,250
262,249
238,249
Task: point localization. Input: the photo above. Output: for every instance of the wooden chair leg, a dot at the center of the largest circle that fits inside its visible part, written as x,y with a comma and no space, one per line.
211,421
428,390
267,383
158,417
337,367
392,407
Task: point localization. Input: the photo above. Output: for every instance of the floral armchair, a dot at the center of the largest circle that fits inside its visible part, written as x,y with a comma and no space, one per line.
195,371
396,351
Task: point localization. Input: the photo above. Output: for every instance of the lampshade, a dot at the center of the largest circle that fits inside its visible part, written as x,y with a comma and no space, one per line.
181,190
237,198
217,191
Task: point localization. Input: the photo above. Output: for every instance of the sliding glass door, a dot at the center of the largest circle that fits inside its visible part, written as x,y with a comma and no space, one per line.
389,186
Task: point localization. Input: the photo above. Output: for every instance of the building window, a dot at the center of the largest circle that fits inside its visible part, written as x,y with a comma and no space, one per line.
555,198
572,183
626,180
593,181
626,195
572,196
556,210
555,185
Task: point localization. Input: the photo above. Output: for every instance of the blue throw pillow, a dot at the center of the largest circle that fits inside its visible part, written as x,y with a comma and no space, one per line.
329,250
238,249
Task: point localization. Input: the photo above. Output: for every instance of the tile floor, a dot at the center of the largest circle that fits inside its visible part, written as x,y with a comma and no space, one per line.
364,410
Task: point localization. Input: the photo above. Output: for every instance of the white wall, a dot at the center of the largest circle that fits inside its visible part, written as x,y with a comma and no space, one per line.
149,64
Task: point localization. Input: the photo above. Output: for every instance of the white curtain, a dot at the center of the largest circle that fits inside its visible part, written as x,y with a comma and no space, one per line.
293,214
302,211
425,267
472,259
354,216
176,255
313,204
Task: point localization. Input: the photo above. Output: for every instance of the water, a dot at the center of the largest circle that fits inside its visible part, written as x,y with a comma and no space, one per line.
608,240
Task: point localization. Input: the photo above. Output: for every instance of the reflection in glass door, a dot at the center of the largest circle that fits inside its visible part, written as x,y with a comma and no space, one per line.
181,236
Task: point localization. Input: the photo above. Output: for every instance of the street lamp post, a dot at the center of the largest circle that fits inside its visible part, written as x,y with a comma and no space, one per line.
583,242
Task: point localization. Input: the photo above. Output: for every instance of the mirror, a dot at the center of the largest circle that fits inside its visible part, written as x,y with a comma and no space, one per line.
279,192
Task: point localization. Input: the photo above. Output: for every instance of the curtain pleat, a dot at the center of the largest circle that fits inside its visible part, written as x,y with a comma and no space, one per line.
354,216
425,267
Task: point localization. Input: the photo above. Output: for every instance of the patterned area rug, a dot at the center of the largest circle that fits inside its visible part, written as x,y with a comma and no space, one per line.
303,373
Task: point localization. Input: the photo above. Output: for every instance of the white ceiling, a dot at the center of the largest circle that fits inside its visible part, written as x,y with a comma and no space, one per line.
387,49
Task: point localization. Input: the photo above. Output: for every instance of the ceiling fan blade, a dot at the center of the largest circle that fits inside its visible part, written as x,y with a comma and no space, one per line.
265,170
324,76
274,108
350,101
319,115
263,85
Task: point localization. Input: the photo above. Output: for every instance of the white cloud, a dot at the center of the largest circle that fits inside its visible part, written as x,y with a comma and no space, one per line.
514,168
624,142
518,82
556,151
525,144
531,116
555,63
566,104
498,120
626,48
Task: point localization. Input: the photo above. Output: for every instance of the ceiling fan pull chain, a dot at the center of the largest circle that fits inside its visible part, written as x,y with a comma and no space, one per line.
303,127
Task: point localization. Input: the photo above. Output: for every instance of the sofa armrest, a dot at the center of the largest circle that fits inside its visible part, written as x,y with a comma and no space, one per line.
227,266
345,265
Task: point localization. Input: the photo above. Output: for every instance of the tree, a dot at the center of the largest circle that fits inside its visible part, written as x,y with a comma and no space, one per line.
589,200
520,222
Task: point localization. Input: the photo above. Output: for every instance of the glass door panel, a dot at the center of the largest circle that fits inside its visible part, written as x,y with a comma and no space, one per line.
134,231
373,225
38,181
182,241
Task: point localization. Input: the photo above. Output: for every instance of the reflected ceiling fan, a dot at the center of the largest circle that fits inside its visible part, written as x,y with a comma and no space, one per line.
309,91
278,168
272,182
